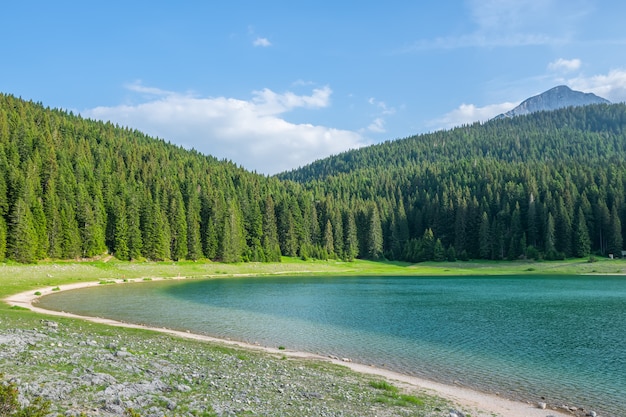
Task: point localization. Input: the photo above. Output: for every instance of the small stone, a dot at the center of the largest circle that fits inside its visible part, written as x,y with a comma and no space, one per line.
542,405
592,414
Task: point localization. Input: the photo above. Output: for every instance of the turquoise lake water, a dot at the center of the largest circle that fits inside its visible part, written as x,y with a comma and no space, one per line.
526,337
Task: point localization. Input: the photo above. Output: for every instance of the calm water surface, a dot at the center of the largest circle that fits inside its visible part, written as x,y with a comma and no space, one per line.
563,338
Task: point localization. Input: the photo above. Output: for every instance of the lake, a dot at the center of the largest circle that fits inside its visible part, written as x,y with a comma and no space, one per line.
560,337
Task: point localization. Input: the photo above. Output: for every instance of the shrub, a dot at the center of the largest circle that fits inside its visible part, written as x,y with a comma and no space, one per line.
10,406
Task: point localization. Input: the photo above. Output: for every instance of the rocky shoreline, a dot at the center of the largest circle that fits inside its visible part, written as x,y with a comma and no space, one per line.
83,368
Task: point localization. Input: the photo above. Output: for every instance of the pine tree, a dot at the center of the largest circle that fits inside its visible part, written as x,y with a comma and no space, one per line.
270,244
484,237
439,253
70,235
427,252
194,243
399,231
178,227
287,236
232,244
3,239
614,239
121,249
329,245
582,242
23,233
135,240
516,246
375,234
351,246
549,237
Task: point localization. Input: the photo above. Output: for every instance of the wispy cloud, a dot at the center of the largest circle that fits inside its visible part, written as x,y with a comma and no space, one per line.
611,86
251,132
263,42
512,23
564,65
470,113
377,125
382,110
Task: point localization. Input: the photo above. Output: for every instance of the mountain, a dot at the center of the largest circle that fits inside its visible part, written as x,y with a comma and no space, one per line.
553,99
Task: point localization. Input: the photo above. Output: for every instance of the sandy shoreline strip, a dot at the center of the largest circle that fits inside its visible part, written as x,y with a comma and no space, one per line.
476,402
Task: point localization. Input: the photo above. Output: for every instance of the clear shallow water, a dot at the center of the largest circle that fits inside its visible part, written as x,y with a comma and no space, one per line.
563,338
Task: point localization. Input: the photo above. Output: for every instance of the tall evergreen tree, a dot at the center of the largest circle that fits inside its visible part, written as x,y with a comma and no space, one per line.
375,234
329,242
615,243
178,226
232,245
3,239
582,242
271,247
23,233
351,246
121,248
194,242
484,237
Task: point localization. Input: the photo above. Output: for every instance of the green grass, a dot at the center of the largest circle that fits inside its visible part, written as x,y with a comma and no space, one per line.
391,395
16,278
384,386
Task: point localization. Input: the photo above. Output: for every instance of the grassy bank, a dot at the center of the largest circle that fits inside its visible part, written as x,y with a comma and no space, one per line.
16,278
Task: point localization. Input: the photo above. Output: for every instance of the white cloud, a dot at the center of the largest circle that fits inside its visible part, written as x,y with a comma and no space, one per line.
250,132
263,42
377,126
469,113
513,23
564,65
611,86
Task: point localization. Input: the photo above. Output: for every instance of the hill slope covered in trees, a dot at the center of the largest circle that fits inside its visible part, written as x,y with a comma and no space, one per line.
548,184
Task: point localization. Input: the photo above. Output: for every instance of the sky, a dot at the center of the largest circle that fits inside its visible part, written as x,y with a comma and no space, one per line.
275,85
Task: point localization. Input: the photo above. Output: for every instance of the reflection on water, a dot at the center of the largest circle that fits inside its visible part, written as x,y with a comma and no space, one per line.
557,337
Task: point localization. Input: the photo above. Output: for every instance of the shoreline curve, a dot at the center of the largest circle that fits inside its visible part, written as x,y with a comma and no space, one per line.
479,403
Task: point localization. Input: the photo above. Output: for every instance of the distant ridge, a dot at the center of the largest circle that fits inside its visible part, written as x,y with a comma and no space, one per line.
553,99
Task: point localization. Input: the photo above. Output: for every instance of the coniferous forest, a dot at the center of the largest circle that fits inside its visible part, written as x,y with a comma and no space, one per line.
548,185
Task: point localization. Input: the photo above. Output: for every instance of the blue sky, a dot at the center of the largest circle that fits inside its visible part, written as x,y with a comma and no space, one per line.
275,85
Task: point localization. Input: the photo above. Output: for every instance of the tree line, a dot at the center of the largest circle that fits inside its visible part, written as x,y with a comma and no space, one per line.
548,185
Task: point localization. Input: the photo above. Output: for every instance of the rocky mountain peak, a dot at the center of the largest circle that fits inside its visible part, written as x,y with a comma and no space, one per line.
555,98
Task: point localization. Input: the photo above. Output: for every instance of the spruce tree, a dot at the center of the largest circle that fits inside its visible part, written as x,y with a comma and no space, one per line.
582,242
270,244
614,239
439,253
484,237
194,242
329,243
3,239
121,249
232,244
351,246
374,234
23,234
178,226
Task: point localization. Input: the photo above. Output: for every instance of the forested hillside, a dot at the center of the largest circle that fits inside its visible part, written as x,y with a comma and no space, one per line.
549,185
546,185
